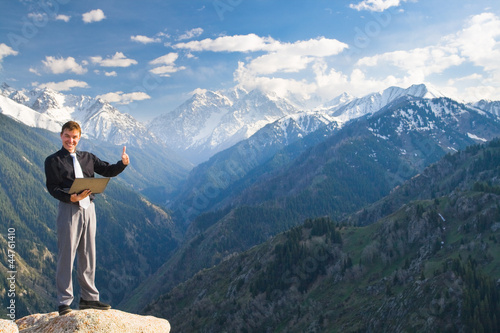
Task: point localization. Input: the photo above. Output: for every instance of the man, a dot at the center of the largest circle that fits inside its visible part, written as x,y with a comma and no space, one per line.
76,219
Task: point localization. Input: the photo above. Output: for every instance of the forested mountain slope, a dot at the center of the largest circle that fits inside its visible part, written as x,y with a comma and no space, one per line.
431,264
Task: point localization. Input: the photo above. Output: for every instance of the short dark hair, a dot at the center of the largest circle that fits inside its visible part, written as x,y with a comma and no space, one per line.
70,126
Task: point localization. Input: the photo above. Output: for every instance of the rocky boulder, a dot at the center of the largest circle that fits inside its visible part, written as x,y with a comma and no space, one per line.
87,321
8,326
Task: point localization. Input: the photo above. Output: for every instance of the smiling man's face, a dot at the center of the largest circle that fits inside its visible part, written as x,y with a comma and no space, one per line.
70,139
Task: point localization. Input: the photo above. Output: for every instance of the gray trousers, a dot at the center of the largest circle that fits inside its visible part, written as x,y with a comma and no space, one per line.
76,229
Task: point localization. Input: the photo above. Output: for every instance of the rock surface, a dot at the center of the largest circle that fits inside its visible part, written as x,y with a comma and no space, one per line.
8,326
95,321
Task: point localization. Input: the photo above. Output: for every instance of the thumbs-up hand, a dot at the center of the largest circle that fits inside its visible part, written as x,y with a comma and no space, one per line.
125,158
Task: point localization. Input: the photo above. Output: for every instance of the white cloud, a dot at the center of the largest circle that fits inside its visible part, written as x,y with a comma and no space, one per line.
167,59
479,41
62,65
419,63
319,47
34,71
479,92
117,60
295,57
64,85
472,77
113,73
282,87
193,33
120,98
165,71
280,57
287,58
6,50
95,15
376,5
144,39
62,17
477,45
238,43
165,65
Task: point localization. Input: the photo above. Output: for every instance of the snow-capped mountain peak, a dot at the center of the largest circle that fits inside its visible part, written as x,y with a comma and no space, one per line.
48,109
371,103
492,107
337,102
211,121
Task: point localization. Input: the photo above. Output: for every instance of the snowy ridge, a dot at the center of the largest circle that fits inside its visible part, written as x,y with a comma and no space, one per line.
492,107
441,118
27,115
213,121
47,109
373,102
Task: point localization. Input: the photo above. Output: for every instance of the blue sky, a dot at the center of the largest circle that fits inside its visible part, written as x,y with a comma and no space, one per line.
147,57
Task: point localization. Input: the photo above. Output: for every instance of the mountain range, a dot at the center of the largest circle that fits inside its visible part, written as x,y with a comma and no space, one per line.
241,196
229,173
209,122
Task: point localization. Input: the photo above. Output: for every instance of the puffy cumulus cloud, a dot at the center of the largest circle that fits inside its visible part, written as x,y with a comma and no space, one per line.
295,57
165,65
6,50
281,86
193,33
479,92
479,41
117,60
331,83
279,57
278,62
319,47
145,39
261,71
62,65
166,70
476,44
95,15
64,85
121,98
376,5
62,17
167,59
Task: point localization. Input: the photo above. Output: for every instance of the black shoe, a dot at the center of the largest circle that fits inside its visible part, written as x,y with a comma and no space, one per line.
93,305
64,309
